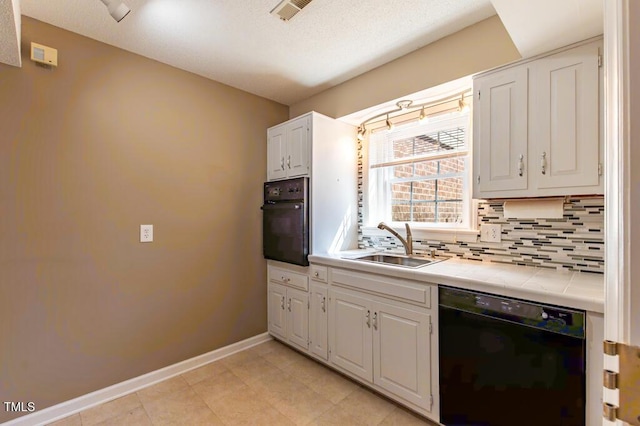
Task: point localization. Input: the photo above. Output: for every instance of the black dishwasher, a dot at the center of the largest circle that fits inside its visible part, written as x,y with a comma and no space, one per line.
506,362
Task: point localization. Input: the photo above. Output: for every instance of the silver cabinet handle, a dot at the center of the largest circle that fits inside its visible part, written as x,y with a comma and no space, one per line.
289,161
324,304
289,305
543,163
282,163
520,165
369,319
282,303
316,274
375,320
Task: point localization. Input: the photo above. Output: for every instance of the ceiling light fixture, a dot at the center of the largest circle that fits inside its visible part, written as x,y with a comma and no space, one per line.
405,107
462,105
117,9
362,131
422,117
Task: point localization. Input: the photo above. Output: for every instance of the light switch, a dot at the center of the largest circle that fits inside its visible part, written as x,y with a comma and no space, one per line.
146,233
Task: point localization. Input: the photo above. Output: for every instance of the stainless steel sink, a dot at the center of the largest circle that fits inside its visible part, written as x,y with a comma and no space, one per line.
388,259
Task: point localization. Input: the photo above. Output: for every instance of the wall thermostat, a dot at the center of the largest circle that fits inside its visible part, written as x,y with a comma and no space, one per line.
44,54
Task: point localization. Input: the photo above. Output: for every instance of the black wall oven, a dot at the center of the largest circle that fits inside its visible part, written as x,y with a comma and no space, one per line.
285,221
506,362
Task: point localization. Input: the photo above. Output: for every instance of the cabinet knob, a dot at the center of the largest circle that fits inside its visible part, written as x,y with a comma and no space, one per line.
316,274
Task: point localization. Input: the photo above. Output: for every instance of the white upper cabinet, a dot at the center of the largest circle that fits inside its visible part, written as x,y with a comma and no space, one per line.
500,126
276,148
565,93
288,149
537,127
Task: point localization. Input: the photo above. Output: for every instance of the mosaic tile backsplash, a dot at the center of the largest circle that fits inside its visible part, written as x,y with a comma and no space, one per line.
575,242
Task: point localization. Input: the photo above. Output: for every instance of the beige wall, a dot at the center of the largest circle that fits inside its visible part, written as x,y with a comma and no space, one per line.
476,48
89,151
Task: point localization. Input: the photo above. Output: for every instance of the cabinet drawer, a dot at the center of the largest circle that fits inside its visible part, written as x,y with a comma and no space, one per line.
289,278
319,273
386,286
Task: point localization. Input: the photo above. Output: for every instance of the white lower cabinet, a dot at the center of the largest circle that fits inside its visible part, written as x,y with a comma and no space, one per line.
376,329
401,353
318,320
288,304
289,314
385,343
350,333
276,307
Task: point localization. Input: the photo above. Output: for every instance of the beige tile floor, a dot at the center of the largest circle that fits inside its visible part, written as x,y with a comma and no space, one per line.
269,384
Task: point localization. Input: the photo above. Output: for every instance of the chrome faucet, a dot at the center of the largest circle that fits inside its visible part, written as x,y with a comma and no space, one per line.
407,243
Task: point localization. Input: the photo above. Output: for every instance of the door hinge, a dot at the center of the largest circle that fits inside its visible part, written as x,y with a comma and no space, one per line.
431,400
599,61
627,380
430,328
478,179
478,95
599,169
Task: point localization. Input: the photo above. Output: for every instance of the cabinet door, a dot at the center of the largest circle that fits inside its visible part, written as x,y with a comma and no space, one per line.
565,132
401,353
276,168
350,334
298,142
318,320
298,318
277,312
500,120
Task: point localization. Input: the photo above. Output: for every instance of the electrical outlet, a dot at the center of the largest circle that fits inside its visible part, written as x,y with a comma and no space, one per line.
146,233
490,233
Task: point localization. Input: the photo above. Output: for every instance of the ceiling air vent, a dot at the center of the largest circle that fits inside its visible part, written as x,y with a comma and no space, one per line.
287,9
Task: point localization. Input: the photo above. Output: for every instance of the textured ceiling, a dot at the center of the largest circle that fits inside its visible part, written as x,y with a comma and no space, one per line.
10,32
237,42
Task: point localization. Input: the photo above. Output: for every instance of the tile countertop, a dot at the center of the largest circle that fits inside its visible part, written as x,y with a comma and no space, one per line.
578,290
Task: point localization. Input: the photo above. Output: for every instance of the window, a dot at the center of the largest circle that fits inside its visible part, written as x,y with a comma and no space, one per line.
419,173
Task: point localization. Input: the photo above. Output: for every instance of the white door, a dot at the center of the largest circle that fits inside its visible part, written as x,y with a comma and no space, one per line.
500,117
350,334
277,312
401,353
565,119
298,317
276,167
318,338
298,142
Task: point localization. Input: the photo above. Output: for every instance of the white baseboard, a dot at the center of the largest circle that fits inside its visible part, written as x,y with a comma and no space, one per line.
67,408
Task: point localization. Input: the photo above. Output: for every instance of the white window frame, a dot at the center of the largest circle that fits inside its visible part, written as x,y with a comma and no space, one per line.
446,232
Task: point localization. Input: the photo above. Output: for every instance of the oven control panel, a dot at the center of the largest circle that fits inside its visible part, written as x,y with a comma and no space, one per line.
286,190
